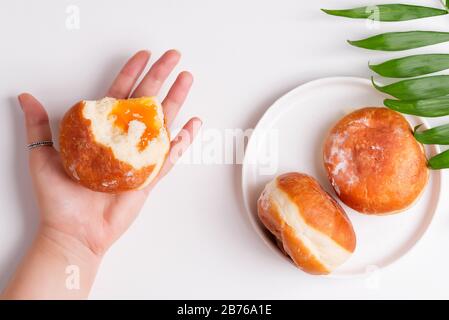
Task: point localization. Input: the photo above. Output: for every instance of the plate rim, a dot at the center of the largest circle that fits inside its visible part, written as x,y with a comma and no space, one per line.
245,172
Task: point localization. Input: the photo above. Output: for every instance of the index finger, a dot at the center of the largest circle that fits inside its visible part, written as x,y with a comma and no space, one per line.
128,75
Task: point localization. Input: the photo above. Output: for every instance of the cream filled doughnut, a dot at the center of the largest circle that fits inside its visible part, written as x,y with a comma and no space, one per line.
310,226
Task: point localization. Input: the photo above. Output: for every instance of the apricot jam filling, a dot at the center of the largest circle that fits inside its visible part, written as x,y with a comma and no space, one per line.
140,109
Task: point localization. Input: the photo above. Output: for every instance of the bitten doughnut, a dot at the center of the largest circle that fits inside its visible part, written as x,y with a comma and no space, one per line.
114,145
374,163
308,223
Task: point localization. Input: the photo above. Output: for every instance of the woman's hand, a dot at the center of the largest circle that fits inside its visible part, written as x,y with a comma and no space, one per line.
77,223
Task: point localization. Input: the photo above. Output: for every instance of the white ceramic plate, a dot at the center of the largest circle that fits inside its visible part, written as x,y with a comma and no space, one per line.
289,137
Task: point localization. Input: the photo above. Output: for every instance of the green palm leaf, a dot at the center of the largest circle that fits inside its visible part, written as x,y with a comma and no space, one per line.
388,12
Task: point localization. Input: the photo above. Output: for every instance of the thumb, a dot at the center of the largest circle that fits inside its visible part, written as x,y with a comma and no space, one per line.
36,121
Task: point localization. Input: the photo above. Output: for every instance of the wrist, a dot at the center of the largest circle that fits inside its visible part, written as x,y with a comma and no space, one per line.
66,246
70,266
57,266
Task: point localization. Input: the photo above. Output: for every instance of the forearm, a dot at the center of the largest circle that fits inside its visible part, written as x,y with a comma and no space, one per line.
57,266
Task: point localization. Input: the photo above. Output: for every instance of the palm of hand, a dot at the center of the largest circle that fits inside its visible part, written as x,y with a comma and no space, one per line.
93,218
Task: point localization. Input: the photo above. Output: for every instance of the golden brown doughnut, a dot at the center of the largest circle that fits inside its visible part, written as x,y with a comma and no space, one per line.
114,145
311,226
373,161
